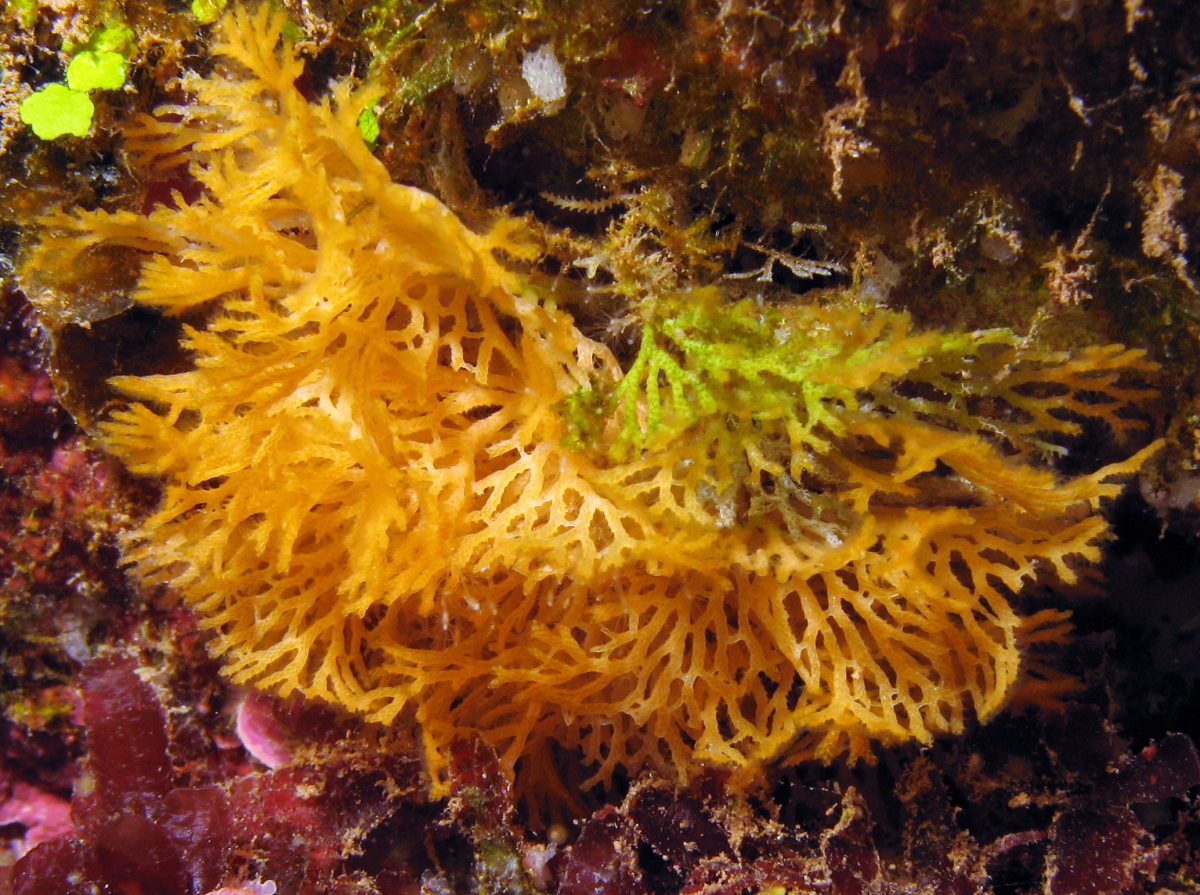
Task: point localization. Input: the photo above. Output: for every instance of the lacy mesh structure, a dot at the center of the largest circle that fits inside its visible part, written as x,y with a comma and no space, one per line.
397,481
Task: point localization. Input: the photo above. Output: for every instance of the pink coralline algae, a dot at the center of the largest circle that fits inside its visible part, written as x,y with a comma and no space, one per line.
43,815
260,732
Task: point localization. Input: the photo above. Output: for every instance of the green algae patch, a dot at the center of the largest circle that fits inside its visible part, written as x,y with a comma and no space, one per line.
97,70
368,126
208,11
56,110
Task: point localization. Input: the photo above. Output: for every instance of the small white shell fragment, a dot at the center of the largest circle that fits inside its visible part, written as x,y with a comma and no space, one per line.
250,887
544,74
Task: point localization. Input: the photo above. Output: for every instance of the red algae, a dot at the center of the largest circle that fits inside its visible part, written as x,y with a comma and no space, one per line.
136,828
1024,799
127,736
603,860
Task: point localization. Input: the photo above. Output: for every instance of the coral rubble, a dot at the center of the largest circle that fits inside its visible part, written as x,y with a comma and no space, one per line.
399,480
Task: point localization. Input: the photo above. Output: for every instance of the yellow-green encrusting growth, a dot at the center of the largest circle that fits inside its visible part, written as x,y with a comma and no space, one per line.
397,479
783,386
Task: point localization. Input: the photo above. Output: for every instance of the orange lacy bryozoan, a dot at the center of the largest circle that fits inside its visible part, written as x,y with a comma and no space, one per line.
372,496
